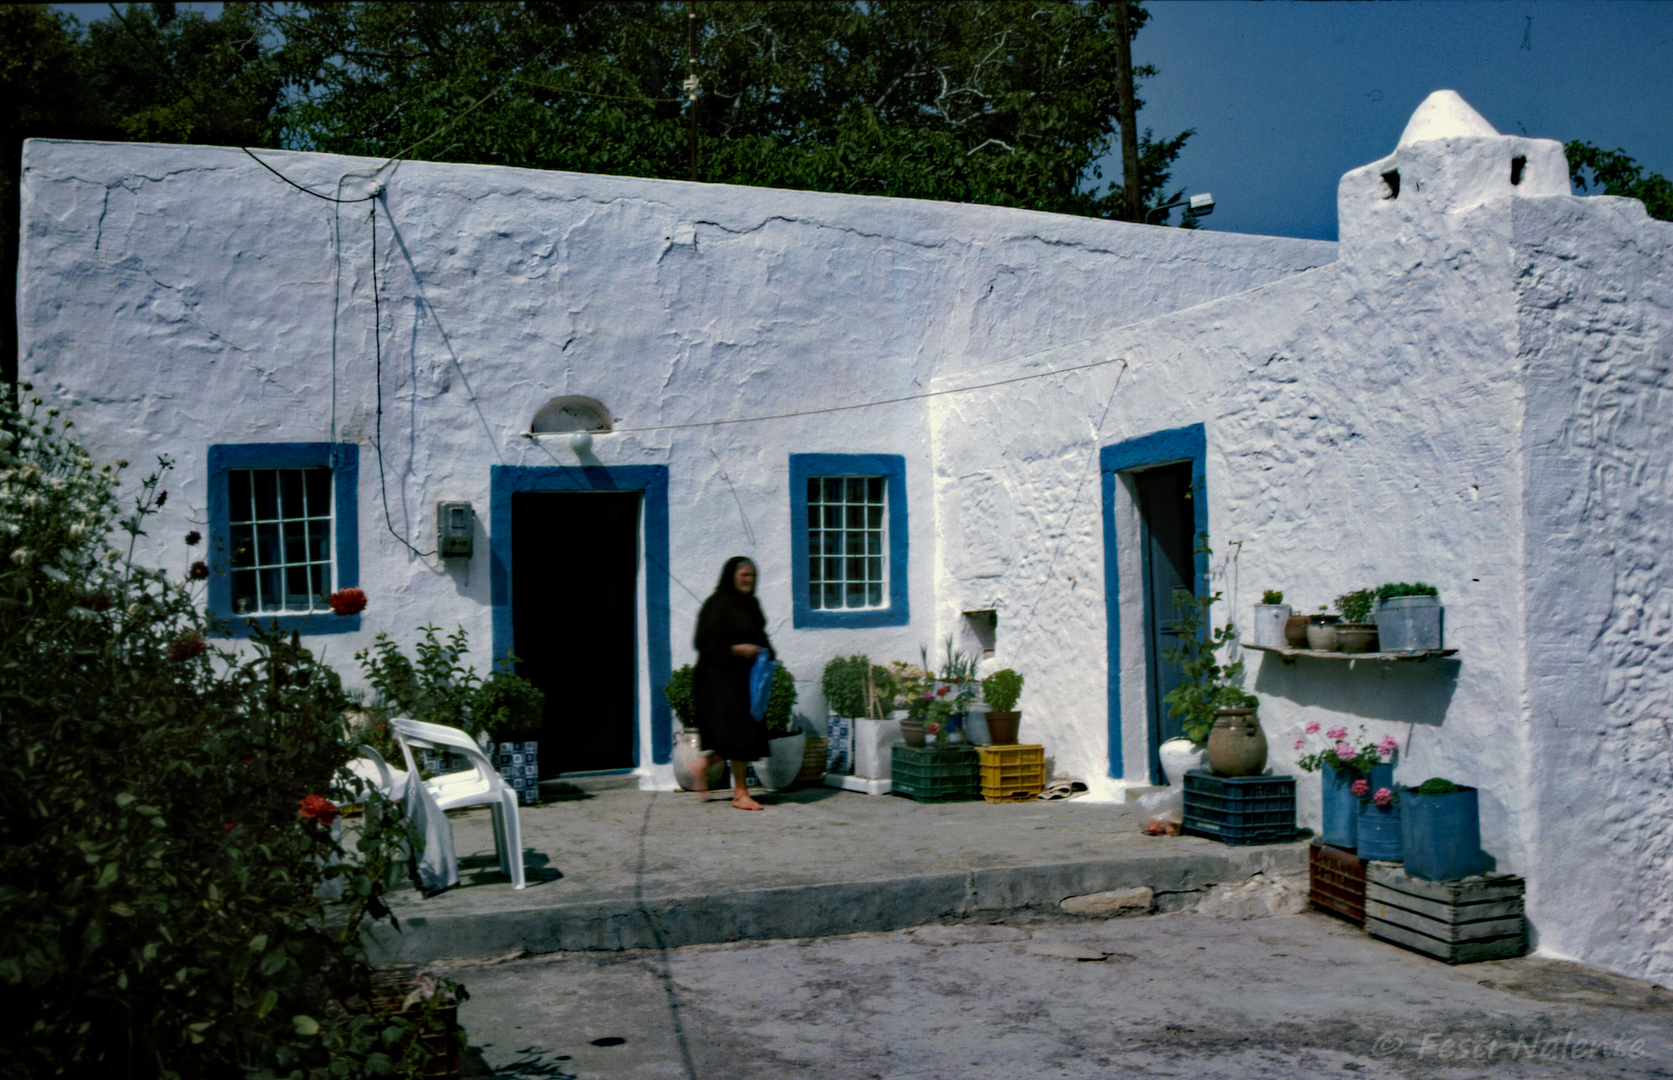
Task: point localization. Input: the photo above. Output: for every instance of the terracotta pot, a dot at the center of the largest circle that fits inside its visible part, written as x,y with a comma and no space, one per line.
1237,745
1295,631
1003,727
1321,633
1357,637
913,732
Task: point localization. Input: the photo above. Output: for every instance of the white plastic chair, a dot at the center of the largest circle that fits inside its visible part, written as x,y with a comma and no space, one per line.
374,774
480,785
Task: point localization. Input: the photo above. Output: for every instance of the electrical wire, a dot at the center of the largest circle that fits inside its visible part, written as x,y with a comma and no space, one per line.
377,437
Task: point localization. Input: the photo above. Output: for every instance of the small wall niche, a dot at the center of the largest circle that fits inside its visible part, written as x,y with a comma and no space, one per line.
572,412
983,627
1391,180
1517,164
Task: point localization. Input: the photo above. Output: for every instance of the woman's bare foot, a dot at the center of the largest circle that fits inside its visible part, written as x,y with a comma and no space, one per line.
741,801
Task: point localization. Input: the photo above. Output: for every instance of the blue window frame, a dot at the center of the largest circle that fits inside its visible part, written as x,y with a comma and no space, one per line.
848,540
283,534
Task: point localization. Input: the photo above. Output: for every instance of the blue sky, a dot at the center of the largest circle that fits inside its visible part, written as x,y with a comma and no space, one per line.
1286,97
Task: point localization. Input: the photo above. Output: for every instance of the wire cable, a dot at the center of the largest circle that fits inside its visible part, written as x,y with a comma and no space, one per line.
377,437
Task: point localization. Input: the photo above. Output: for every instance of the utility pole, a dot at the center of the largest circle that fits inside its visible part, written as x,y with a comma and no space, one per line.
1126,114
691,83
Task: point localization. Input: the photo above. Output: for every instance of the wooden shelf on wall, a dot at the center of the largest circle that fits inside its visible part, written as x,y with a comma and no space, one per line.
1288,655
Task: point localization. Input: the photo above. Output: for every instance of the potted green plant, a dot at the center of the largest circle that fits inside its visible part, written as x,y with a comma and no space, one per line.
786,742
1001,690
1271,614
1409,617
688,744
1212,709
513,710
1356,633
848,686
1343,764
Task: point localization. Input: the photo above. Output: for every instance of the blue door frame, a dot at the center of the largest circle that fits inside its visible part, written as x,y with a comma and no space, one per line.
652,482
1132,455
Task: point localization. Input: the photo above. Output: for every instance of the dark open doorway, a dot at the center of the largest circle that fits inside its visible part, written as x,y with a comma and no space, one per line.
1168,524
575,559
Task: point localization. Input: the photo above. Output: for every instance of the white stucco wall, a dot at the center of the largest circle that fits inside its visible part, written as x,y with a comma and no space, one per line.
1596,331
173,297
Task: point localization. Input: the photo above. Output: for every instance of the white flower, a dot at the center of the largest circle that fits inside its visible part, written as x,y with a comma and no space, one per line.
77,531
83,613
21,556
55,574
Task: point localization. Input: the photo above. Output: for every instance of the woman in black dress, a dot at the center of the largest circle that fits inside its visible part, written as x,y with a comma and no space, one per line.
730,632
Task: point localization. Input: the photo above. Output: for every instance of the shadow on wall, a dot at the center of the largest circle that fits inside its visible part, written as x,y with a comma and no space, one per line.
1401,691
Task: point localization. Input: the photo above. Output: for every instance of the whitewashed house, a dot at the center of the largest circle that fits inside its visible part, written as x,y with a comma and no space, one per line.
1473,388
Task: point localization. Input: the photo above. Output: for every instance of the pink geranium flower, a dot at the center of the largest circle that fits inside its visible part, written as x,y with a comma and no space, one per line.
1345,751
1336,734
1312,727
1387,747
1383,797
1299,743
1360,787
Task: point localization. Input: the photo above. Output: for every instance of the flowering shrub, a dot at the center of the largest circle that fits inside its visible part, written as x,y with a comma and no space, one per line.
347,602
162,891
439,687
1343,753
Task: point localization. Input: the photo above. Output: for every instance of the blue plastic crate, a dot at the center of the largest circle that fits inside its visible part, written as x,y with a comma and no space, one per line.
1240,809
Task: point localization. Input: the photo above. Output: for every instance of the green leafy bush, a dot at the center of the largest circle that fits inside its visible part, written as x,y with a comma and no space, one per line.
781,698
681,697
1272,596
843,683
1437,785
1001,690
168,838
1355,607
1401,588
1206,685
441,688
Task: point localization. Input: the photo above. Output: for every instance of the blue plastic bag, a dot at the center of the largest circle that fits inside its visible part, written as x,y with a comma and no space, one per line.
761,683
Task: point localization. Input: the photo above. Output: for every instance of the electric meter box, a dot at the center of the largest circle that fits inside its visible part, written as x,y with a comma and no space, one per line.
455,529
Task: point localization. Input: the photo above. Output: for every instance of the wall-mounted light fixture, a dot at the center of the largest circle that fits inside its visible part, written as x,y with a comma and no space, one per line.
1196,206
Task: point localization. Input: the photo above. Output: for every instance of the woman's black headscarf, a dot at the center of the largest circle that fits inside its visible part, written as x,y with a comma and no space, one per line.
729,574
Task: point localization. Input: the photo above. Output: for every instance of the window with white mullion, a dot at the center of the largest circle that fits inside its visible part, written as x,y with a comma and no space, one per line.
280,526
847,538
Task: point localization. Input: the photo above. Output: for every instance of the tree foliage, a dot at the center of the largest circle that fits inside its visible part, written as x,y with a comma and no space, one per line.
1010,104
1615,173
178,902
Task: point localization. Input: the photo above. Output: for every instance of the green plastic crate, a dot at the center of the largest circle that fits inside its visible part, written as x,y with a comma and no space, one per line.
931,775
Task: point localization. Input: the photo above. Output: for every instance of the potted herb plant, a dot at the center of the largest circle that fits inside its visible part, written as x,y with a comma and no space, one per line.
1409,616
1440,830
1213,711
688,745
786,742
513,710
1001,690
1271,615
1356,633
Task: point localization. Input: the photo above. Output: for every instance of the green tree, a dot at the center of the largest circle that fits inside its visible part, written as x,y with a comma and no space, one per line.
1000,103
1617,174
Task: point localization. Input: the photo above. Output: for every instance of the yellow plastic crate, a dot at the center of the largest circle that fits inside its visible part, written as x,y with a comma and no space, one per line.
1014,773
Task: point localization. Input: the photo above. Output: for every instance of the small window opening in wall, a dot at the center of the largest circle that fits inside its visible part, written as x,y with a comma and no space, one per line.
984,627
1392,179
1517,164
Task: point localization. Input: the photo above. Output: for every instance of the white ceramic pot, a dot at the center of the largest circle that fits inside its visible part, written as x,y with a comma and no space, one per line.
783,761
687,749
1268,626
1180,756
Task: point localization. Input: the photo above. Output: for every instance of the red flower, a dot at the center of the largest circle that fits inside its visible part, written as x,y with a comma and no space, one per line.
318,808
193,537
348,601
199,571
188,647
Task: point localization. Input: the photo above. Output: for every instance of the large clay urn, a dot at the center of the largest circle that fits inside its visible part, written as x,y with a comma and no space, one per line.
1237,745
688,747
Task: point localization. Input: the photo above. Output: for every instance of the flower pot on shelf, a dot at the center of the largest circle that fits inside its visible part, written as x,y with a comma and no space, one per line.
1340,828
1410,623
1321,633
1179,756
1441,834
1269,623
1002,727
1295,631
1237,745
1356,637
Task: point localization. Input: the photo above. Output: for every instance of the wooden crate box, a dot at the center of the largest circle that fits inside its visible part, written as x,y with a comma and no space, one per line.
1474,918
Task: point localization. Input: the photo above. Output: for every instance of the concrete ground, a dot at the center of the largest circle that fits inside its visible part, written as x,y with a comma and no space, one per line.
1181,995
843,935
